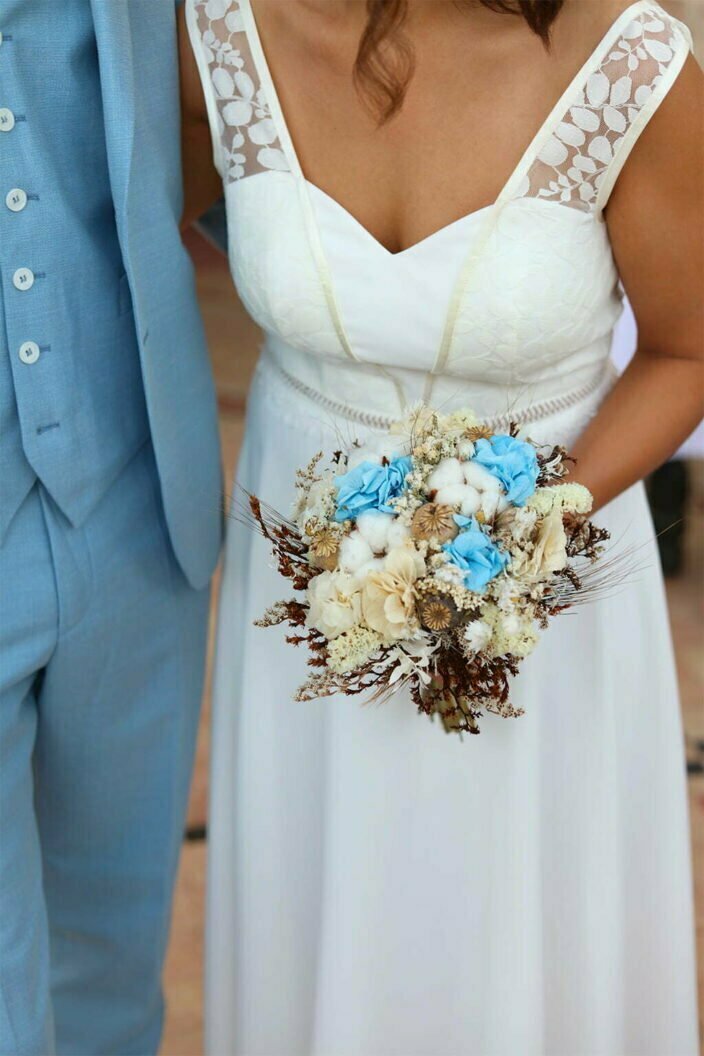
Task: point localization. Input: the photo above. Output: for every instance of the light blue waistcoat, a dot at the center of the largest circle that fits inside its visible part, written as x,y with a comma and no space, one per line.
101,341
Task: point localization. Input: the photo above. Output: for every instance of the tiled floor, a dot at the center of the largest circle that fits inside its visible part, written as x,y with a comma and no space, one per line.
233,341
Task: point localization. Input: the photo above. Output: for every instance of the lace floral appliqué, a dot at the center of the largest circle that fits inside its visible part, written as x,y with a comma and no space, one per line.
248,137
573,162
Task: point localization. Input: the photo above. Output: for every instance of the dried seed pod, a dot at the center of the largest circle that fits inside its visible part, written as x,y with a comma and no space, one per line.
325,550
438,613
434,521
478,432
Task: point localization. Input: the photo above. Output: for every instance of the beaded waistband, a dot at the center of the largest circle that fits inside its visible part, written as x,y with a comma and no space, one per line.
498,423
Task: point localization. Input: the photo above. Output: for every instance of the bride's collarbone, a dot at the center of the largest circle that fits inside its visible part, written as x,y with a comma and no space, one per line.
473,106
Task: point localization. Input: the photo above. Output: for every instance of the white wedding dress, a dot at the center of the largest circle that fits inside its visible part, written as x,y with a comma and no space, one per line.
376,887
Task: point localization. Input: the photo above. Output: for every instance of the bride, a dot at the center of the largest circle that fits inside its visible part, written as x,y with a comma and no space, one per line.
437,200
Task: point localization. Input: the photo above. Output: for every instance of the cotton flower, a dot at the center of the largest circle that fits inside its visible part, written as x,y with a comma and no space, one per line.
355,551
374,527
399,533
447,473
463,497
334,603
480,478
388,596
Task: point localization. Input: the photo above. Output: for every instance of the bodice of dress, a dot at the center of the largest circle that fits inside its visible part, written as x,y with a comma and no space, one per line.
514,302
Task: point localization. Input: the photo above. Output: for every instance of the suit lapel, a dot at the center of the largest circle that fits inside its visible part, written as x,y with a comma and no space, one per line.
113,34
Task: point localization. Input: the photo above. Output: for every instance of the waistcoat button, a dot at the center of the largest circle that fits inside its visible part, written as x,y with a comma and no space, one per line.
29,352
16,199
23,279
7,119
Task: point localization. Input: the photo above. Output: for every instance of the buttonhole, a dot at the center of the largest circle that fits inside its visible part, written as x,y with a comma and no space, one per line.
45,428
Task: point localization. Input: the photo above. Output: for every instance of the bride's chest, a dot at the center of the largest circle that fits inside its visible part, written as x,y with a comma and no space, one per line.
398,177
525,281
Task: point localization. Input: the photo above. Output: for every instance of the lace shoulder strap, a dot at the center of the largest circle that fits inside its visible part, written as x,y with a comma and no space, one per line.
615,96
245,138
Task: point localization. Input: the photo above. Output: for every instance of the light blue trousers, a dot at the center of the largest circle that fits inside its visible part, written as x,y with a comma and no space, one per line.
102,646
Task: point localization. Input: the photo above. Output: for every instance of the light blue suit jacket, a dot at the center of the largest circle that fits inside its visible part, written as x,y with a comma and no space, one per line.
139,79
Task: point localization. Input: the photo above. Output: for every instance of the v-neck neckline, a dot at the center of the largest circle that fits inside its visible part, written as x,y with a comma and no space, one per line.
487,213
515,176
416,247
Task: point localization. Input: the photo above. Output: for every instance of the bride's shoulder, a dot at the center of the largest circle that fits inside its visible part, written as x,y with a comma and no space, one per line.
582,28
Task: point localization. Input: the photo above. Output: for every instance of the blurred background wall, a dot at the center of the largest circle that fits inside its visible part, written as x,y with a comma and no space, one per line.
234,340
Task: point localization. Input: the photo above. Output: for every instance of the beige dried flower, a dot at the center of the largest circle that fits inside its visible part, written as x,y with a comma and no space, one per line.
434,521
389,596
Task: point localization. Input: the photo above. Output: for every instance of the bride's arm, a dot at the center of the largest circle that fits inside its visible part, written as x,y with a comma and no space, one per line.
202,185
655,219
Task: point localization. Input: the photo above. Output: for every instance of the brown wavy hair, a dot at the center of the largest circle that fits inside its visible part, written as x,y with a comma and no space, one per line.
385,61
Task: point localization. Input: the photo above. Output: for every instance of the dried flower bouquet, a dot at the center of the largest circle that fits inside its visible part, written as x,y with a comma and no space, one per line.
430,557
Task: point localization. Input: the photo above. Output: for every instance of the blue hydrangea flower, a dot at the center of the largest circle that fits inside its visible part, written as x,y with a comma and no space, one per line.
513,462
370,486
473,551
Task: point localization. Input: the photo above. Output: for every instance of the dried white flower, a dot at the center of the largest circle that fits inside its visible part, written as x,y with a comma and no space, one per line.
317,503
477,635
571,498
413,657
513,633
353,648
335,603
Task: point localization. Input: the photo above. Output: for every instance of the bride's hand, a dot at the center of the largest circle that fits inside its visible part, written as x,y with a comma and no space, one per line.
202,185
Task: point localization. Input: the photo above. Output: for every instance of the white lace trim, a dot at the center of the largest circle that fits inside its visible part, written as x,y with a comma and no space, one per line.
595,133
247,134
575,163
